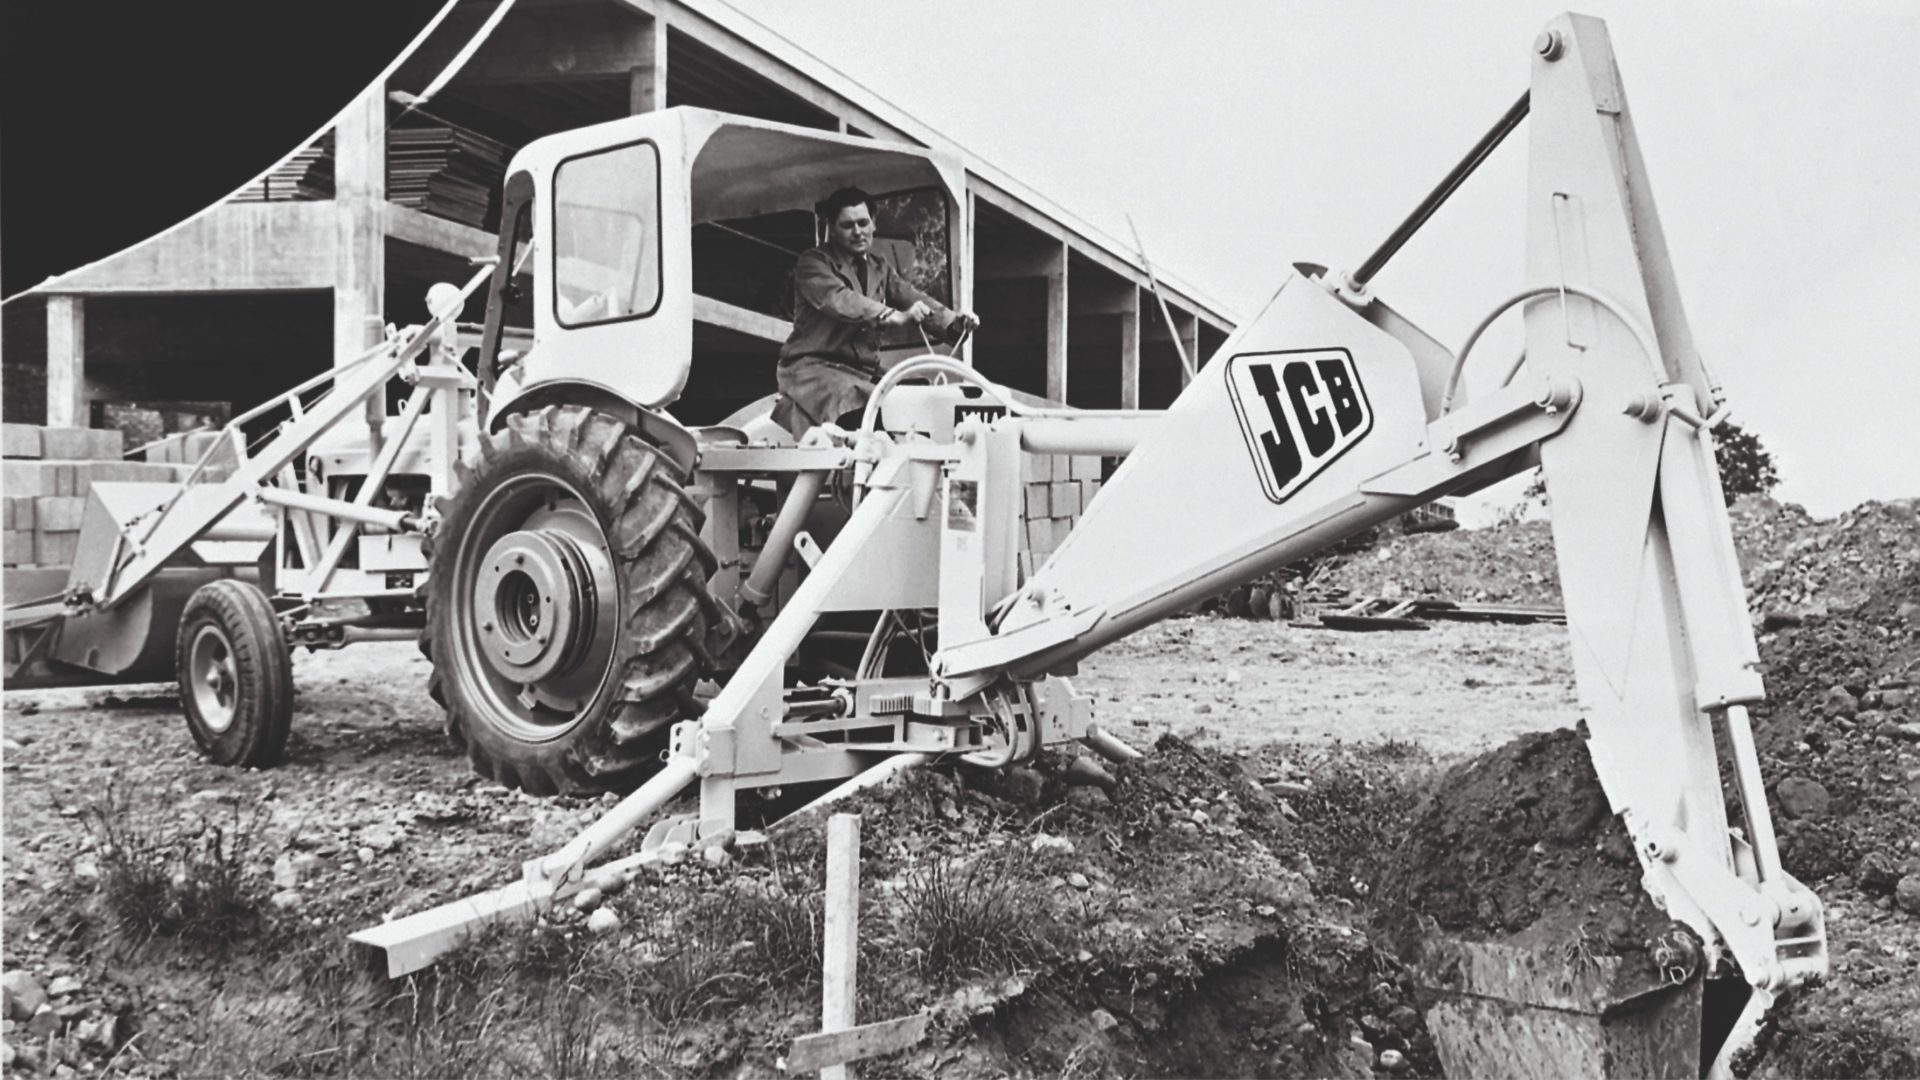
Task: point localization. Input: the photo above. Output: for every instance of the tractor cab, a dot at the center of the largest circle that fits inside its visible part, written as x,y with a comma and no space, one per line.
646,264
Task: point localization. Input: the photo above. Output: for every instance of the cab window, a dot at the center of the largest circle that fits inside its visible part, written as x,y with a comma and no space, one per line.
606,235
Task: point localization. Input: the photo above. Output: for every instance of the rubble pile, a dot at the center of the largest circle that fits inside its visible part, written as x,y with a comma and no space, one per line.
1828,567
1510,563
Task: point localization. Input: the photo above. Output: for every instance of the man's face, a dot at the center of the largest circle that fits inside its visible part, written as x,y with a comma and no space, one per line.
852,231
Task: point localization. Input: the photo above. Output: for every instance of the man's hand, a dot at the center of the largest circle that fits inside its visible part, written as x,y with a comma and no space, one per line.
916,314
964,323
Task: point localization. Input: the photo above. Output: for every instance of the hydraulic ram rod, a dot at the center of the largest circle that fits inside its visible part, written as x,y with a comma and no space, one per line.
1447,186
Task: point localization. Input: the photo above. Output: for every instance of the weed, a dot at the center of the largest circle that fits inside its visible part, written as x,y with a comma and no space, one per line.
163,874
985,917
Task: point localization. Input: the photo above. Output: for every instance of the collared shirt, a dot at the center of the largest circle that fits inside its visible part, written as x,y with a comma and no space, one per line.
836,318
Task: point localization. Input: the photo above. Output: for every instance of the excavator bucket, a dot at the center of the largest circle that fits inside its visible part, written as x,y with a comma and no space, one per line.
1505,1010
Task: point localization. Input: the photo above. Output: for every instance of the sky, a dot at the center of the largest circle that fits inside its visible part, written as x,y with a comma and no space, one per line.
1782,141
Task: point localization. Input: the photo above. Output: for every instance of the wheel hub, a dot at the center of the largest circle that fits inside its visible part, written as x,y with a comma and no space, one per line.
539,599
213,678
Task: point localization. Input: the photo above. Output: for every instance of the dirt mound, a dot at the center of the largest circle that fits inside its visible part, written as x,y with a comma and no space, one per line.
1511,563
1795,566
1517,845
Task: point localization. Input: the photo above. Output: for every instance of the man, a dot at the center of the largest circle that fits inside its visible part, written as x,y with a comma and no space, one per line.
845,293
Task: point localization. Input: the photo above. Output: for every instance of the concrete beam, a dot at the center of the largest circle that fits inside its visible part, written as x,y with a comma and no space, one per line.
66,362
437,233
782,74
1057,329
647,79
1130,354
234,247
360,224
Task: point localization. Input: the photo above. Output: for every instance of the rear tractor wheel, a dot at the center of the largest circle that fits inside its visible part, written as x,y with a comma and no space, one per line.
568,617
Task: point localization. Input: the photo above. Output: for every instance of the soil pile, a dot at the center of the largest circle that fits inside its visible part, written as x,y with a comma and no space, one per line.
1518,846
1510,563
1839,738
1797,567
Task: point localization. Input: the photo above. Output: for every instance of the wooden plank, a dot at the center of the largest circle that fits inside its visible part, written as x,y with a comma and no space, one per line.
66,362
720,313
828,1048
840,943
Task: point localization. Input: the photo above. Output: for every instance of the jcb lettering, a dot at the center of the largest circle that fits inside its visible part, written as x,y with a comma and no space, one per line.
1313,422
1283,457
1299,412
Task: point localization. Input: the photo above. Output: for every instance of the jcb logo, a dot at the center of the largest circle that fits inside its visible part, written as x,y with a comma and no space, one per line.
1300,411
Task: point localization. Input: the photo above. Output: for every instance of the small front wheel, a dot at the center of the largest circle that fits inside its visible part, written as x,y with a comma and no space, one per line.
236,675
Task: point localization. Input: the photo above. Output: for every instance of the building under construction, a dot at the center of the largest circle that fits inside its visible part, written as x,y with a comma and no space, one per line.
307,265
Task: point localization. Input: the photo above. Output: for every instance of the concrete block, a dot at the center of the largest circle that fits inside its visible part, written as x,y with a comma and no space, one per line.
19,548
20,441
1082,468
114,471
55,548
1039,534
29,478
198,443
1036,503
19,512
1065,498
59,513
81,444
1036,467
1061,528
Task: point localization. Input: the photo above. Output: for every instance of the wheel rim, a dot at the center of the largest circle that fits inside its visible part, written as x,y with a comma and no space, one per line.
213,678
535,604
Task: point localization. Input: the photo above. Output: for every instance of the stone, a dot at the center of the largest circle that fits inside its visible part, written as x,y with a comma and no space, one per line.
1023,785
86,869
1780,619
1840,701
62,986
1909,732
1907,894
1079,881
1393,1060
1288,788
364,854
1893,699
23,995
1103,1020
1801,797
380,838
284,875
1049,842
1088,798
44,1023
1405,1019
285,899
588,898
1876,873
715,855
603,921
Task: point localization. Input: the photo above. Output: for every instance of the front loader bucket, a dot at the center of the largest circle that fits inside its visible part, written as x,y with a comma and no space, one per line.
1503,1010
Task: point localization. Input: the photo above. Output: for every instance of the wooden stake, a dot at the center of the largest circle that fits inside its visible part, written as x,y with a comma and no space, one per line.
841,944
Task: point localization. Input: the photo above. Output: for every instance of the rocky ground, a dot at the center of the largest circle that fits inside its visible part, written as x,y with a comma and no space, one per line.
1244,901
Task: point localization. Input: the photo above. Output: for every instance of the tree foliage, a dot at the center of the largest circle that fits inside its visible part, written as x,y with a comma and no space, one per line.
1746,468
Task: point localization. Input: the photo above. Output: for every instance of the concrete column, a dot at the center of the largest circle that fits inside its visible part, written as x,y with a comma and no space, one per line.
1057,329
1130,351
360,192
1189,340
647,82
66,362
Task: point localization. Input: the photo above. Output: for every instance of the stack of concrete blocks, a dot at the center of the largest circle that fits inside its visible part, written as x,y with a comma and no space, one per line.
1057,489
184,448
49,472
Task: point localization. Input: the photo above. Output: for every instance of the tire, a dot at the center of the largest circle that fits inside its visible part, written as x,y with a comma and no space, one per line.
1257,602
563,672
236,675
